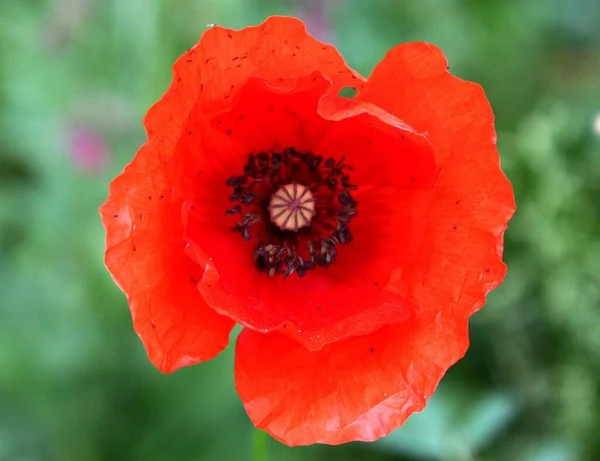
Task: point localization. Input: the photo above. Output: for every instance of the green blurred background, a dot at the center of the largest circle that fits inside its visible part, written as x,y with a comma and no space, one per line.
76,77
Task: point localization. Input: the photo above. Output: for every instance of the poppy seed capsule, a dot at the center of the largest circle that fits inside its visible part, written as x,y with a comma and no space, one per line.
292,207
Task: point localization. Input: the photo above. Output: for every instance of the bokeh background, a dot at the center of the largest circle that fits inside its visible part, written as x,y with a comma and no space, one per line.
76,77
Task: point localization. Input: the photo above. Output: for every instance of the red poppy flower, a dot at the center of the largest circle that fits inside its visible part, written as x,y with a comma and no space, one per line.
352,238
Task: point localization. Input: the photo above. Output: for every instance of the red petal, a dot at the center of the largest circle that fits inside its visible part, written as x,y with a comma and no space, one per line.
358,389
145,255
279,48
212,71
452,245
327,305
382,149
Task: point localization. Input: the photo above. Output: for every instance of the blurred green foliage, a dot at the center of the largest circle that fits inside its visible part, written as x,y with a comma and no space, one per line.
76,77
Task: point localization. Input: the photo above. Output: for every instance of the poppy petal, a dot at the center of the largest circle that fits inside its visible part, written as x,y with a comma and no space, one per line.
279,48
145,256
358,389
452,254
303,113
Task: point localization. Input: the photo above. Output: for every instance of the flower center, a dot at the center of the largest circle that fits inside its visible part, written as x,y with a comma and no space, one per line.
292,207
297,205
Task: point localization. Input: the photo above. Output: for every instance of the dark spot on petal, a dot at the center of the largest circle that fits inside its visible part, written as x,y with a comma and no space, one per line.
193,279
162,196
134,248
202,87
149,197
457,202
219,122
454,227
241,117
115,216
411,179
372,349
236,58
376,284
192,207
188,60
228,132
153,324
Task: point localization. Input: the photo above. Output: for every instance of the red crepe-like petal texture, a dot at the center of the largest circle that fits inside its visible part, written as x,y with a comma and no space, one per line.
304,114
382,149
454,238
211,72
145,255
327,305
279,48
358,389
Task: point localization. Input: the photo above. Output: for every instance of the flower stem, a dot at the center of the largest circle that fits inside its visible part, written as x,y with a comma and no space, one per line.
259,445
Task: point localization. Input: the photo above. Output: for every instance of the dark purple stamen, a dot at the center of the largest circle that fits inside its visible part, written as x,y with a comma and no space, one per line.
302,205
